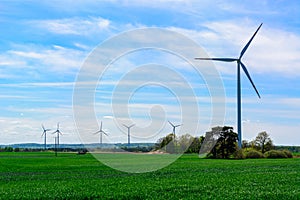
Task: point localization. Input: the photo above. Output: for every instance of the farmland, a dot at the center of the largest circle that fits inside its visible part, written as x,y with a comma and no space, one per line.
40,175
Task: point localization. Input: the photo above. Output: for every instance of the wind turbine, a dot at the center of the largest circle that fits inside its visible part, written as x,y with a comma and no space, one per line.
239,65
58,133
174,127
45,135
128,132
101,132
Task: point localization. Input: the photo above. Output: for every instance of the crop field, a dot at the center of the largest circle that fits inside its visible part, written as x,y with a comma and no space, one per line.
70,176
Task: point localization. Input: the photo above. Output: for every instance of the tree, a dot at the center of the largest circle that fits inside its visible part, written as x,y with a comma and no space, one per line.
264,142
226,144
184,142
196,145
210,143
167,143
8,149
245,144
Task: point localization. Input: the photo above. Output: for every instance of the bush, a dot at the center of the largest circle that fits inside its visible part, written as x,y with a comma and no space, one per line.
288,153
8,149
239,154
275,154
254,154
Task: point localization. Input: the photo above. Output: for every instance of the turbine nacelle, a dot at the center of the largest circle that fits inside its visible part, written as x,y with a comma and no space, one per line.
239,65
101,131
45,135
239,60
44,130
128,132
174,127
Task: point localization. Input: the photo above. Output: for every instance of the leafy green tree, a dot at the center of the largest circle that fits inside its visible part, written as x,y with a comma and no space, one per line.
8,149
210,143
184,141
196,145
264,142
166,143
226,144
245,144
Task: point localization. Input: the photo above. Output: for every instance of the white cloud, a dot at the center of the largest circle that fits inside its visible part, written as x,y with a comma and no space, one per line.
280,134
73,26
272,50
34,58
28,130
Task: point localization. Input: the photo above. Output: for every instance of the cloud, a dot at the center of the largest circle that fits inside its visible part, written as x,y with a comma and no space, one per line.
272,50
73,26
39,60
280,134
39,84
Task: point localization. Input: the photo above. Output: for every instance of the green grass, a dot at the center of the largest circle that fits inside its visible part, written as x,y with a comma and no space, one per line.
70,176
296,154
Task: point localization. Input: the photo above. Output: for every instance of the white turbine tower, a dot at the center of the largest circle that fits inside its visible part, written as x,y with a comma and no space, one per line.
239,65
101,132
58,133
45,135
128,132
174,128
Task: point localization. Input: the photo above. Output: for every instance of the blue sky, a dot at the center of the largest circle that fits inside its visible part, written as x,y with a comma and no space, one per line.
44,44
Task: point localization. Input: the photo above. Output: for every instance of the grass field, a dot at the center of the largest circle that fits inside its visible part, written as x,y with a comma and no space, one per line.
70,176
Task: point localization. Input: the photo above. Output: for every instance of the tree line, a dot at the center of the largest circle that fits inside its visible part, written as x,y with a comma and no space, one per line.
222,143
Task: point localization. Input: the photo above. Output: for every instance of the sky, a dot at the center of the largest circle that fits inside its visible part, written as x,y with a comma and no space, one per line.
46,47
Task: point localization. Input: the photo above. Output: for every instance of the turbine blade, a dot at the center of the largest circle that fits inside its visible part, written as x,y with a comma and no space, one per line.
248,75
101,126
131,125
43,127
104,133
96,132
247,45
178,125
171,123
125,125
219,59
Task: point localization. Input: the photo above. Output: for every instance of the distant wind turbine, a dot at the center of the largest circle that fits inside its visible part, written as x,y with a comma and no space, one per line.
239,65
128,132
174,128
58,133
45,135
101,132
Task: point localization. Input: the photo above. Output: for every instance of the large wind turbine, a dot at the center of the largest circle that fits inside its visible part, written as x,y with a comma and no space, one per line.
128,132
101,132
45,135
58,133
174,128
239,64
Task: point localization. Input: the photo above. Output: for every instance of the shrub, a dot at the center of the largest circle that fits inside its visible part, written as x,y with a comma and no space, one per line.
254,154
8,149
239,154
275,154
288,153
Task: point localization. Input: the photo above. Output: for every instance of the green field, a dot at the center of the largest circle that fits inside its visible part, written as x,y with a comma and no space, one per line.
70,176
